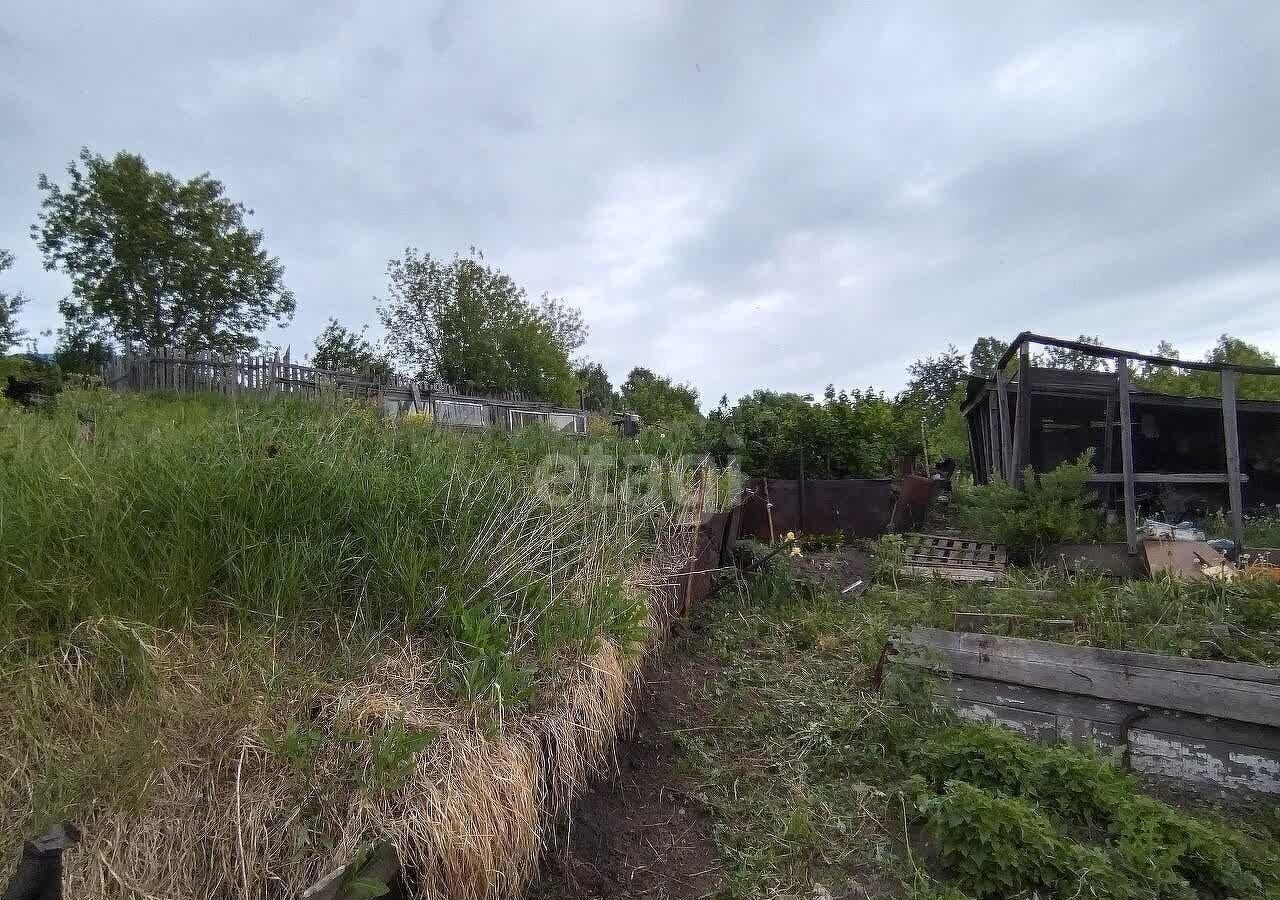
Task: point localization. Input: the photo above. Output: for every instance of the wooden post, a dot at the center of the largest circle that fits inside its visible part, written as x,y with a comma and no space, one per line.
993,438
1231,436
1006,444
800,492
1126,456
768,509
1022,417
1108,445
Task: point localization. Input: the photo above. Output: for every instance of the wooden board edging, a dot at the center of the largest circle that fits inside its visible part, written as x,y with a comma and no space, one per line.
1237,691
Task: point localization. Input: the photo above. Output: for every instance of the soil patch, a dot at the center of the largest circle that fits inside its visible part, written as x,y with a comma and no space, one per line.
642,833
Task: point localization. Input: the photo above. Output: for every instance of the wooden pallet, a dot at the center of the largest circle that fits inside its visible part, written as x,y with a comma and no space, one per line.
955,558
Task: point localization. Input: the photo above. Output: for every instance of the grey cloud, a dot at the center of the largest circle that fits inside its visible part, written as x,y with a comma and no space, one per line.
743,194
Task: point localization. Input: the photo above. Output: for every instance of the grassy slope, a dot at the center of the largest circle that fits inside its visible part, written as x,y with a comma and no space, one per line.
809,774
338,629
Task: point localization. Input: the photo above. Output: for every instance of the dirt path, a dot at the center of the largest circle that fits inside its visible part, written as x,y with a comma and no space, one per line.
641,833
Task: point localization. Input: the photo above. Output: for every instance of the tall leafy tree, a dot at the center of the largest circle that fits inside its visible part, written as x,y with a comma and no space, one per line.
1190,383
985,354
10,306
932,383
340,348
656,398
81,347
931,404
597,390
158,261
465,322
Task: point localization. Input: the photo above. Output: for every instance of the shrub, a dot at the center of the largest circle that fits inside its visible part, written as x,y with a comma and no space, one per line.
29,380
1051,508
998,846
994,803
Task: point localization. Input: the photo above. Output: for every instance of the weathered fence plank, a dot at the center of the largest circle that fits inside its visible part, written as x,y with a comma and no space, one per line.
1200,721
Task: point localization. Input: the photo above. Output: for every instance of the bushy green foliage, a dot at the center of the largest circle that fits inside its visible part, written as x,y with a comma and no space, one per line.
340,348
1189,383
1000,846
657,399
1051,507
1070,784
467,323
849,434
1011,816
597,390
10,306
29,381
157,261
930,405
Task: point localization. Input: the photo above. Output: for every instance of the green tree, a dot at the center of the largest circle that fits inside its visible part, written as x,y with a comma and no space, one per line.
467,323
932,383
157,261
848,434
656,398
10,306
81,348
985,354
338,347
597,391
1192,383
1067,358
931,401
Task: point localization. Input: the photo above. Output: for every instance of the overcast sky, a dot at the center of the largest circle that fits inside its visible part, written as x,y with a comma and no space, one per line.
739,195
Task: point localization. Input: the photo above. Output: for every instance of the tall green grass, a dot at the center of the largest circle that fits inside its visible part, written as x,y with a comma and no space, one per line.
197,508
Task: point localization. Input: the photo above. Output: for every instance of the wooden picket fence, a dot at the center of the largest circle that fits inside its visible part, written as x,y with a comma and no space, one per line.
182,371
188,372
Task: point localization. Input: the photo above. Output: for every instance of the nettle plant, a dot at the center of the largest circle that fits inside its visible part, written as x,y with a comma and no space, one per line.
1051,507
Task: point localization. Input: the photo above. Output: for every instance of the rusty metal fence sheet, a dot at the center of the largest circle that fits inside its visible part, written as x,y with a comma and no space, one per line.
860,507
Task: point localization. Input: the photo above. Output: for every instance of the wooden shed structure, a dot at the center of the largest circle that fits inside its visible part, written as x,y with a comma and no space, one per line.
1148,447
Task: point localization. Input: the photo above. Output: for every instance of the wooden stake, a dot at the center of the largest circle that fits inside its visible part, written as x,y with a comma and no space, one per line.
1126,457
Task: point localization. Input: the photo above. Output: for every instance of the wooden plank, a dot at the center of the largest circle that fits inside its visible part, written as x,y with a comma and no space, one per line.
1210,728
1006,439
993,439
1126,457
983,690
1098,351
1231,438
993,553
1204,761
954,573
1034,726
1022,428
1235,690
1166,478
969,621
1188,748
1071,654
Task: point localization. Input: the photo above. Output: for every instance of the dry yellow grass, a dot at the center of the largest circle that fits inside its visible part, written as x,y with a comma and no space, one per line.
212,807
